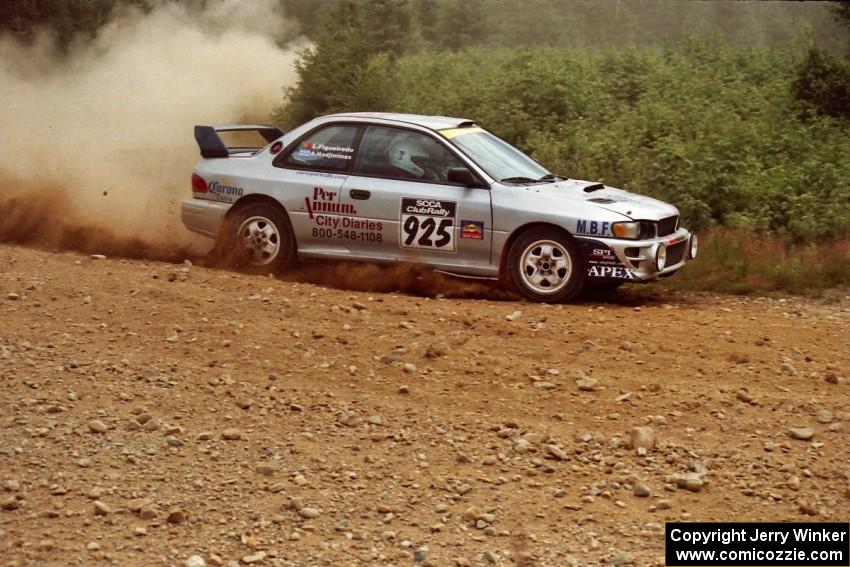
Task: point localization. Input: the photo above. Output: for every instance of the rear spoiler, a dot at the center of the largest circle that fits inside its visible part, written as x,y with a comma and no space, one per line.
212,145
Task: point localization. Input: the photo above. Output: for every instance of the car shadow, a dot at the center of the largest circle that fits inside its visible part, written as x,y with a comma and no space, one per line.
409,279
421,281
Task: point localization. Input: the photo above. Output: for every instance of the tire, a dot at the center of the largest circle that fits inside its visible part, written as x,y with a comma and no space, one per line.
258,237
545,265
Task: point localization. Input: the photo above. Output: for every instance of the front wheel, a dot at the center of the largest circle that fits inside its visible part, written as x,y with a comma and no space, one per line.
545,265
258,237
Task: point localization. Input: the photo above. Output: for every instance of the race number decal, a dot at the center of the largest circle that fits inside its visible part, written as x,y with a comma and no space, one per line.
428,223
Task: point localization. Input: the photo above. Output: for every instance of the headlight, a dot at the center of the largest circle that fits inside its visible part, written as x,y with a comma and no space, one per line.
628,230
635,230
661,257
694,248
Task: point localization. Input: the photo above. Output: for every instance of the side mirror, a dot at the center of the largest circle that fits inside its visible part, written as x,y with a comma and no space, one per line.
462,176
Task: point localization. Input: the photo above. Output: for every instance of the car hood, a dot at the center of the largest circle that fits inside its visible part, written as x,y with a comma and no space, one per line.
625,203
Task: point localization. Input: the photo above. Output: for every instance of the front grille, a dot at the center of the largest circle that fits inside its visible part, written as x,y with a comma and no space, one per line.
667,226
675,253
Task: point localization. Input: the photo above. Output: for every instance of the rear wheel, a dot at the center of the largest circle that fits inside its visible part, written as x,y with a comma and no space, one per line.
258,237
545,265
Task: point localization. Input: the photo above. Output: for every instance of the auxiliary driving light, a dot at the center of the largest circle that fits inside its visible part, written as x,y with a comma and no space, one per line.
660,257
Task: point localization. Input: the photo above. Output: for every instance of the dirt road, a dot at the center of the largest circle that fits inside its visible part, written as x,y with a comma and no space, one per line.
152,412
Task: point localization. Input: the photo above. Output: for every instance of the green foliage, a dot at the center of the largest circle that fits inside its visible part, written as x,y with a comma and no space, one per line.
595,23
842,11
459,24
733,132
743,261
337,72
712,128
823,81
348,64
65,18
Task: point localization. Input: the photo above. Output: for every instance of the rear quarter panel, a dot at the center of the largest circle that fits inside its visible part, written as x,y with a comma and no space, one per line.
231,180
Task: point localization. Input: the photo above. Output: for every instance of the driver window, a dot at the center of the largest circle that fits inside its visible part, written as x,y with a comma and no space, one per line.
404,154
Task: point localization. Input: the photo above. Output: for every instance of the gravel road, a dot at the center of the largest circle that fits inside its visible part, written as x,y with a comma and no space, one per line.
169,414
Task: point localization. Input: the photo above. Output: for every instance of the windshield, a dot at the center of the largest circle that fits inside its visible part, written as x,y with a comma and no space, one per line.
495,156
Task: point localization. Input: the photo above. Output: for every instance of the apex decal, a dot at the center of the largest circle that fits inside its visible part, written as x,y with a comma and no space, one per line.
618,272
602,261
325,201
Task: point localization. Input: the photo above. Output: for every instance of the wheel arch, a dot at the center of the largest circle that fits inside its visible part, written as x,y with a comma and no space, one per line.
255,198
519,231
247,201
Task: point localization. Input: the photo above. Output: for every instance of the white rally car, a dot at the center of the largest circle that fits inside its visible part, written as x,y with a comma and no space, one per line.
434,190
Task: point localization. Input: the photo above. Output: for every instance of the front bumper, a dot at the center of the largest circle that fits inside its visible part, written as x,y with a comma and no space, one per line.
202,216
610,258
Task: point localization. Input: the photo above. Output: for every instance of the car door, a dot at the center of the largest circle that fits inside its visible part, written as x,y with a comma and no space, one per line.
399,190
310,176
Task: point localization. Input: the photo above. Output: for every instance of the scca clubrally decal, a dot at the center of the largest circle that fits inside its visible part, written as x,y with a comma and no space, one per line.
428,224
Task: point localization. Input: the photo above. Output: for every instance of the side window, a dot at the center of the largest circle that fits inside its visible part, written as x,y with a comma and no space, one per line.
403,154
329,148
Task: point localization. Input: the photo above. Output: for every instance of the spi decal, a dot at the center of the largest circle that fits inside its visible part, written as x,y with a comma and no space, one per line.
602,262
472,229
427,224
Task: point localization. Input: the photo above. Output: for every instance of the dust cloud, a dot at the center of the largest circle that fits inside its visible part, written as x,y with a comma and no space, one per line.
97,142
98,146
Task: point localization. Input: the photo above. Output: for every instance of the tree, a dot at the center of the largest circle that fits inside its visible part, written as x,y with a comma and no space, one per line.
66,19
462,23
426,15
842,11
823,81
355,38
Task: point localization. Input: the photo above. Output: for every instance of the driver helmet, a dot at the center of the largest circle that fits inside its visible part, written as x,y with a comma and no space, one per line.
402,153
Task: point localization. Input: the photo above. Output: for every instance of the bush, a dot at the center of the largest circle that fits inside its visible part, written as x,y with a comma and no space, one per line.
711,128
742,261
823,81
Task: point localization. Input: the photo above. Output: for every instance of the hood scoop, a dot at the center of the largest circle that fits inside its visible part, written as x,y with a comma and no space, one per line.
593,187
601,200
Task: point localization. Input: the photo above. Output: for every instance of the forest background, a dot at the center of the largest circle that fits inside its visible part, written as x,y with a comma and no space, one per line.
736,112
